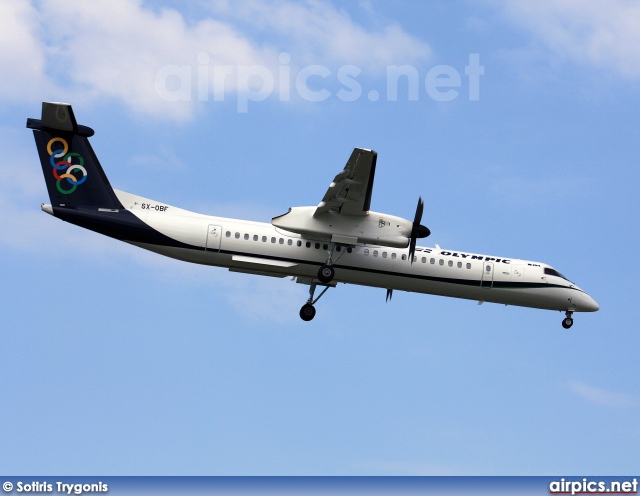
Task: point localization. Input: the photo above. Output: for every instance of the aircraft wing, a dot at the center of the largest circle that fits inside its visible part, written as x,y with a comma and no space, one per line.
350,191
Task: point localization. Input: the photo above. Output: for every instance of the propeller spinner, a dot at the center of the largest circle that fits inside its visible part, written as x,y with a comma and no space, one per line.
418,230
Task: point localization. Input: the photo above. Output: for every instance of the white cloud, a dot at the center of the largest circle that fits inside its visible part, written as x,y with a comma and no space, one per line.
166,159
600,396
322,34
22,53
119,55
602,34
113,50
25,228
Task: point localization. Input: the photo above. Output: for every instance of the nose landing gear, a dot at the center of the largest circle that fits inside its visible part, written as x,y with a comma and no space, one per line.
567,321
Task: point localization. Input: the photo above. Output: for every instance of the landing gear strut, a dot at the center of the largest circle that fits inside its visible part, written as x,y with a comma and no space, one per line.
568,321
308,311
327,272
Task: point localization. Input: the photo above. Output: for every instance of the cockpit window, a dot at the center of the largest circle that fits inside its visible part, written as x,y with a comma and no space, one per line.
553,272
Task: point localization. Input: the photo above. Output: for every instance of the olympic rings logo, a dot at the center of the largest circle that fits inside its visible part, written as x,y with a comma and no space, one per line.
60,160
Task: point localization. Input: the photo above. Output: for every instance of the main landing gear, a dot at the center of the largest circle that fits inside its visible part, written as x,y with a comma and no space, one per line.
327,272
308,311
568,321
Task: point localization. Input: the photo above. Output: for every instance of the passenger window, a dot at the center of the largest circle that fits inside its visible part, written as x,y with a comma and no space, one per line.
349,250
255,237
366,251
450,263
424,260
375,253
338,248
308,244
415,259
393,256
384,254
325,247
273,240
264,239
237,235
289,242
298,243
281,241
488,268
246,237
441,262
404,257
433,260
317,246
468,266
228,234
459,265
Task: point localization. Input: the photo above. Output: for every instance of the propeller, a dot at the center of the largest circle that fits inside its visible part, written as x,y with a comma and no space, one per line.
417,230
389,294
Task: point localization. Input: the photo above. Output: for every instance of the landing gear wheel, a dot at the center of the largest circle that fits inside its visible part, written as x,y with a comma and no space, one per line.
307,312
567,323
326,273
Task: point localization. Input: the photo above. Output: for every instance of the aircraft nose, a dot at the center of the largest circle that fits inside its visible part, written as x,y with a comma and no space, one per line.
589,304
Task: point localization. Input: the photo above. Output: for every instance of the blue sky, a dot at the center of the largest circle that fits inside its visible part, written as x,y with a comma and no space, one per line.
121,362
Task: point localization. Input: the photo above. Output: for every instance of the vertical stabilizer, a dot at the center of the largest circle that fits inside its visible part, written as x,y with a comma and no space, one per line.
72,172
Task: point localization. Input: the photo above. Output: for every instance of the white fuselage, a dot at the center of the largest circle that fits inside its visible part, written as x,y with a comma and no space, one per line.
260,248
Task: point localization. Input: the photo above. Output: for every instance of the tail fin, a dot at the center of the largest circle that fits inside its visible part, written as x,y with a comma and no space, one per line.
71,169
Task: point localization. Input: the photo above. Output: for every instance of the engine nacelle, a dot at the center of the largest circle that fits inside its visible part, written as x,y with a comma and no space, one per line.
373,228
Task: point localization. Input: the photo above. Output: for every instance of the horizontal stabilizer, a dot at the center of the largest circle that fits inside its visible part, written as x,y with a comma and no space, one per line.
58,116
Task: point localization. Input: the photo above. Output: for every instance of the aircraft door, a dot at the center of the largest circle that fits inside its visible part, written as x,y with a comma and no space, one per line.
486,281
214,236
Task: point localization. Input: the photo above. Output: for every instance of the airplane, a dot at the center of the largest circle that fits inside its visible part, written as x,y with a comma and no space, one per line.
338,241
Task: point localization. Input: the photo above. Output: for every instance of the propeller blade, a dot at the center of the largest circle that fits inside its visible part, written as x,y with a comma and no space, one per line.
417,229
389,294
412,248
419,209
